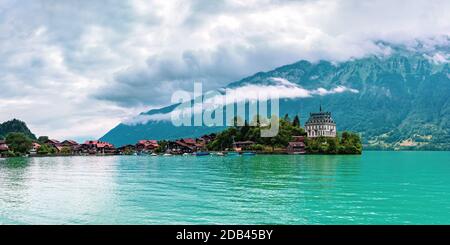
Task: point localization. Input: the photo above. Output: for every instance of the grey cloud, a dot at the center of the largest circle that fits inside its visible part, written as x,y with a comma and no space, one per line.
332,30
154,83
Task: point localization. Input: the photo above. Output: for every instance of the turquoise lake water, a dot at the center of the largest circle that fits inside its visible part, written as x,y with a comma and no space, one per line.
375,188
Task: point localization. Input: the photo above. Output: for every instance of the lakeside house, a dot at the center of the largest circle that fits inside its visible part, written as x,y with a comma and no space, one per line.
189,145
181,146
297,145
3,148
69,143
146,146
55,144
320,124
97,147
72,145
188,141
34,148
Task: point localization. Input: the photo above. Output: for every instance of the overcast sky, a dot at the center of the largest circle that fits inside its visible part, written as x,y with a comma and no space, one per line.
75,69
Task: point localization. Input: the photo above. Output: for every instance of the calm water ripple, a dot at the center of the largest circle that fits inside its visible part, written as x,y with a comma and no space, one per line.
375,188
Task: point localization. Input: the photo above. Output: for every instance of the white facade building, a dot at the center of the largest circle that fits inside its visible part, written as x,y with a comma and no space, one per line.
320,124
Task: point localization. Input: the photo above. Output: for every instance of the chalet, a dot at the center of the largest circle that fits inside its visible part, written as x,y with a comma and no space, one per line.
297,145
34,149
195,144
180,146
3,148
71,144
97,147
146,145
189,145
55,144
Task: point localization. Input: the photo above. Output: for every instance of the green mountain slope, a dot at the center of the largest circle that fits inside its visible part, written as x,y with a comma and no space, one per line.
403,100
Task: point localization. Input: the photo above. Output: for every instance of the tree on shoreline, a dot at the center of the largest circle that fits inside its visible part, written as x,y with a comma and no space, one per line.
347,143
46,149
296,121
42,139
19,143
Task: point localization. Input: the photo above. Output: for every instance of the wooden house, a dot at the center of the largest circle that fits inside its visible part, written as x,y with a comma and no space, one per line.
297,145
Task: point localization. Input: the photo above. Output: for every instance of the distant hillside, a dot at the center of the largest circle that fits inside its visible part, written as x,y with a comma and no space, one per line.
403,100
15,126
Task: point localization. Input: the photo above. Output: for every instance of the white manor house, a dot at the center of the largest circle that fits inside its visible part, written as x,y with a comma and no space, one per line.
320,124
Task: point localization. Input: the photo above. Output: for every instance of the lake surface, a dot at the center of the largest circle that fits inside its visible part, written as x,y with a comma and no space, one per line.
375,188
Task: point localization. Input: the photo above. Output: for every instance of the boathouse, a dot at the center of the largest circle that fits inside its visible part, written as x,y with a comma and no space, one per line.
297,145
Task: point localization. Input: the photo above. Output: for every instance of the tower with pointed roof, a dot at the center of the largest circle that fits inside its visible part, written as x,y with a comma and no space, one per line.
320,124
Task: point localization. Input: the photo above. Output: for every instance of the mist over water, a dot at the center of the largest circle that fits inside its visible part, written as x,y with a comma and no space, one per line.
375,188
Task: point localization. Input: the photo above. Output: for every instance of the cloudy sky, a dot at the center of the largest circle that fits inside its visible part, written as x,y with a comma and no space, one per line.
74,69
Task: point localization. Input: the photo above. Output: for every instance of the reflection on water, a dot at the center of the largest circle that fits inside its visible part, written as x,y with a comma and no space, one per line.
375,188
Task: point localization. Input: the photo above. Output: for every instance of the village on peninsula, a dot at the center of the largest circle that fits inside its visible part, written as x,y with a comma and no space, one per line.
319,136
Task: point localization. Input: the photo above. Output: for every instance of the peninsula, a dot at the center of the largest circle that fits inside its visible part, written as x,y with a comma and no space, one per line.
318,137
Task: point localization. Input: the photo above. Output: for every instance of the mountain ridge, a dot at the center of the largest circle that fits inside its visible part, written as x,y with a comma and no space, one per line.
397,104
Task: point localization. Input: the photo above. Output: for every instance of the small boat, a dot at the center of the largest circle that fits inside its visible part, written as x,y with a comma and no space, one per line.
153,154
220,154
248,153
167,155
186,154
233,153
201,153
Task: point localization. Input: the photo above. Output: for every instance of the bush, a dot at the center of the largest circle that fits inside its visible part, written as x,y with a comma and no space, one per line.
10,154
348,143
257,147
46,149
66,150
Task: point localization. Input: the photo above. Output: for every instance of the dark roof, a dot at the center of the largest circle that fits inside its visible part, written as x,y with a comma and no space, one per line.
298,144
51,141
320,118
98,144
179,142
148,143
189,141
71,142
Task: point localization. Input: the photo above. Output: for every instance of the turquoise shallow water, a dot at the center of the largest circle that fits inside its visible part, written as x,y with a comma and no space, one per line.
375,188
